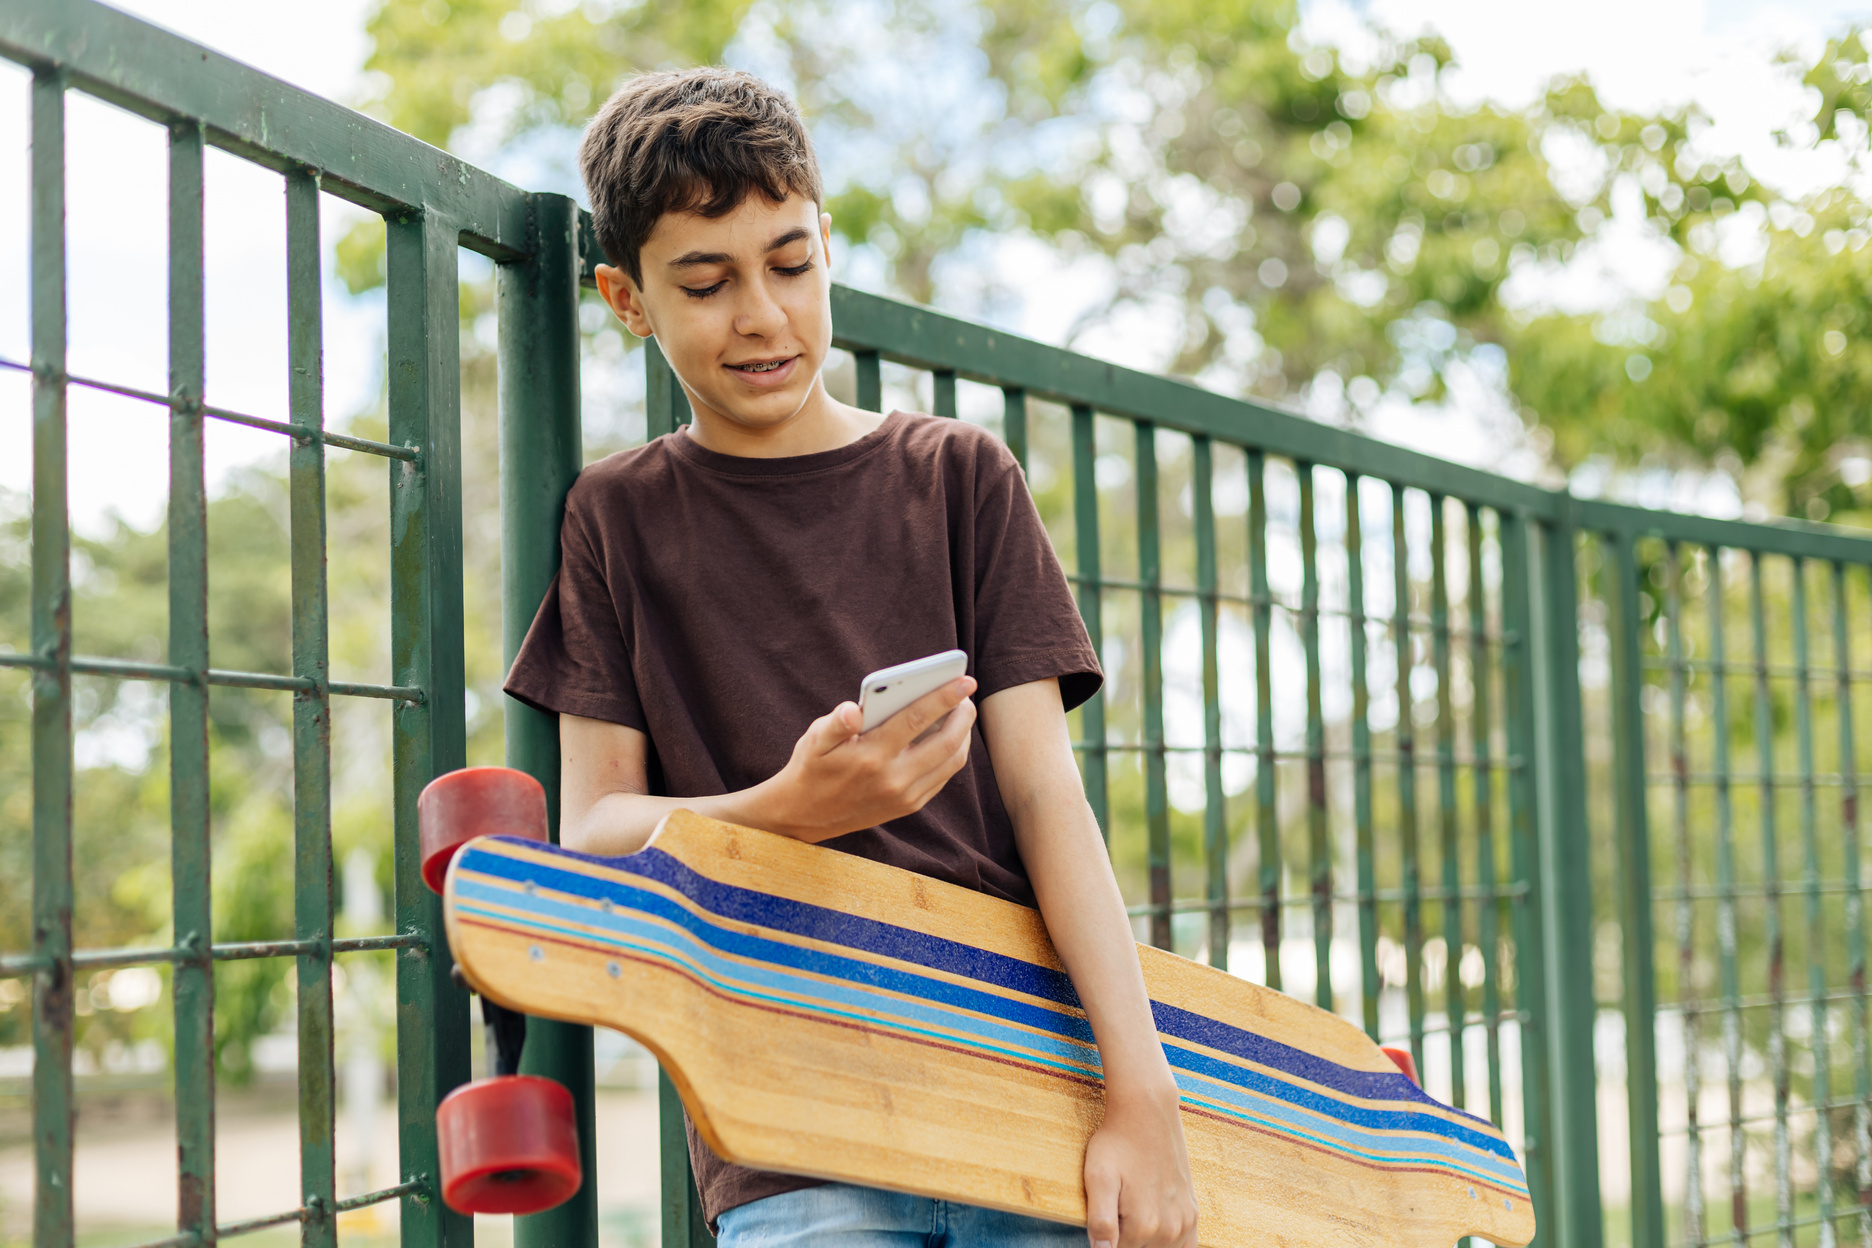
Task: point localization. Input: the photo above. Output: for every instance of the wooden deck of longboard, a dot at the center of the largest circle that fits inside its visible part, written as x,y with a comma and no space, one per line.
829,1016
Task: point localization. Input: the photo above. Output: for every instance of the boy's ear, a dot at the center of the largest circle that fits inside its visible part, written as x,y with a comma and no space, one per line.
623,298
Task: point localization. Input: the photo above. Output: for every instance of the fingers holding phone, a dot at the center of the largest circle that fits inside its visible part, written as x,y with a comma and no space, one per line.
885,758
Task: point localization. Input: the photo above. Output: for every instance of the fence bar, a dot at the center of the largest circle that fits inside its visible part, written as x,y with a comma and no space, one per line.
1215,809
1267,812
1319,847
1633,836
53,1104
923,338
1686,910
1519,687
1726,936
425,651
667,404
1407,776
1566,891
1773,937
1150,635
1456,1006
1482,780
192,984
129,669
1095,754
1370,985
870,380
943,392
312,847
231,417
1855,908
1822,1092
683,1223
228,951
1014,423
540,454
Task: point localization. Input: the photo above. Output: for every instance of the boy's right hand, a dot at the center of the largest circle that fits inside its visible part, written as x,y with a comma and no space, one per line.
840,780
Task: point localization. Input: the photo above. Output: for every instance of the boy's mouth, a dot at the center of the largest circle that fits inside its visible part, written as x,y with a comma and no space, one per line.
764,371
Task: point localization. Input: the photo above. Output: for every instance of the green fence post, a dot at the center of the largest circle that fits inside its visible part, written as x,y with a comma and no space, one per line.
53,1106
665,404
1727,925
1855,904
312,846
1482,780
1822,1095
1014,423
1634,851
1685,916
943,392
1150,639
870,370
1364,850
683,1224
1319,846
1566,885
1094,756
1519,691
540,455
1215,801
1774,936
1406,738
1267,809
428,737
1455,999
192,985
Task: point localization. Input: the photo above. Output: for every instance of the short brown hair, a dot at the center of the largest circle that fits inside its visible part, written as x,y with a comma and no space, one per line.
693,140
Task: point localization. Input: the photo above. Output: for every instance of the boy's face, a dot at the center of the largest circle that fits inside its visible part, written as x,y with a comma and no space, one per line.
740,304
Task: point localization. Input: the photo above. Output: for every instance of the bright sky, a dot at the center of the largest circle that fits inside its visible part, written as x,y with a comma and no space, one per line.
1641,53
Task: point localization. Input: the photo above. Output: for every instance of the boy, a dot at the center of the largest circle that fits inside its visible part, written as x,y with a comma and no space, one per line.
724,585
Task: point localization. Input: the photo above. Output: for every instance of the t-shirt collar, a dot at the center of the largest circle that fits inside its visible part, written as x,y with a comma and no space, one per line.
784,465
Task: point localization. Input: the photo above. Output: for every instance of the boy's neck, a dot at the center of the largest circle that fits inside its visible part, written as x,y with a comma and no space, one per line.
822,423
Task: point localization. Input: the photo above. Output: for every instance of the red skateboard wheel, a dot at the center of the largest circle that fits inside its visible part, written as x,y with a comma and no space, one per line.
508,1145
1405,1062
475,801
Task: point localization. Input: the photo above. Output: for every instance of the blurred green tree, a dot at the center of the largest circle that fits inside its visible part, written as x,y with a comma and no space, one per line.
1308,220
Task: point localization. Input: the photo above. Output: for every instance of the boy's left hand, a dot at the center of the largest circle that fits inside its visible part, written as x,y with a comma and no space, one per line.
1137,1179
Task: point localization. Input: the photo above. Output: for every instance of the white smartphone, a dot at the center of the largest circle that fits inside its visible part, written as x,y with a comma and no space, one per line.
886,692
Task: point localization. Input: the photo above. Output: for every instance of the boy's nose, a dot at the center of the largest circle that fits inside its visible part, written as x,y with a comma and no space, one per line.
760,315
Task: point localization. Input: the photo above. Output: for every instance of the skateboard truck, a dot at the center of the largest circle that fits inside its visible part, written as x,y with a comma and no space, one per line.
508,1143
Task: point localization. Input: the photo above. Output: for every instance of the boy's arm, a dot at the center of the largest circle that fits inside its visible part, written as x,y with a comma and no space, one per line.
837,781
1138,1191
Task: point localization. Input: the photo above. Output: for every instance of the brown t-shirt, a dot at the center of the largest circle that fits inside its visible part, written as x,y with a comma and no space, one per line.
720,604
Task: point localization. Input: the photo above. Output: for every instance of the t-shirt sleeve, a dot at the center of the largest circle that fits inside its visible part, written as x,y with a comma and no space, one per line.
1027,626
576,658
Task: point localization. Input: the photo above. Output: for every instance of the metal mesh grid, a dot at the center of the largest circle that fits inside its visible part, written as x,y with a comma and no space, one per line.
1750,948
1430,704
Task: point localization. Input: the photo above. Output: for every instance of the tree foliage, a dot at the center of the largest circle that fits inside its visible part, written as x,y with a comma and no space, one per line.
1321,221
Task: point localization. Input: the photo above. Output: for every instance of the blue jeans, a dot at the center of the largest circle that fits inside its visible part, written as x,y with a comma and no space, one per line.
840,1215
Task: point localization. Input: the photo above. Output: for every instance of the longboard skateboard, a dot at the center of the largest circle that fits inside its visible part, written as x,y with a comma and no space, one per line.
829,1016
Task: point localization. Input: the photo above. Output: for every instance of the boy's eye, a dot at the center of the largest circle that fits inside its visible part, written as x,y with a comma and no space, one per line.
705,291
796,270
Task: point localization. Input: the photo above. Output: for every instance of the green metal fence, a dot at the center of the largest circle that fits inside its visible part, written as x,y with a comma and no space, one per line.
1384,731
